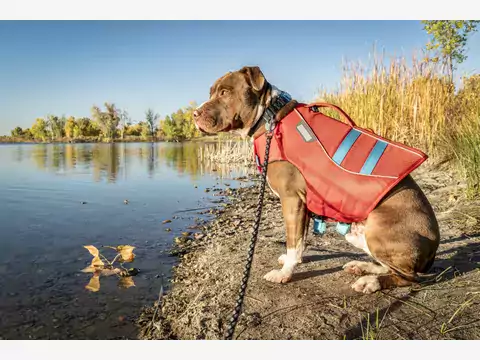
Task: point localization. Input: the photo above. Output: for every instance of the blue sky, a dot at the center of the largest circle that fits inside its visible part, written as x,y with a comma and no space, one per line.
65,67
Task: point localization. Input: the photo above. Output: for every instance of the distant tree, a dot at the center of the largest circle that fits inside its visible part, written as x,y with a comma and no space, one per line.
449,38
151,119
70,125
134,129
39,129
55,126
17,132
107,121
85,127
27,134
179,125
124,121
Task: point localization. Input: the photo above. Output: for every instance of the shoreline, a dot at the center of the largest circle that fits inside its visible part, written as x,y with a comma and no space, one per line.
8,140
318,302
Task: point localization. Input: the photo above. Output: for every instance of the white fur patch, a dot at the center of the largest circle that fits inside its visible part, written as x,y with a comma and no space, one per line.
290,260
356,237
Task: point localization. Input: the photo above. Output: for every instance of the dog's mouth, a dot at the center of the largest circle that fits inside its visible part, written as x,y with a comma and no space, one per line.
203,131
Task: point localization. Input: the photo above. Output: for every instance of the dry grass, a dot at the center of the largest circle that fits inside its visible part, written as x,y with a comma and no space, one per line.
228,152
415,104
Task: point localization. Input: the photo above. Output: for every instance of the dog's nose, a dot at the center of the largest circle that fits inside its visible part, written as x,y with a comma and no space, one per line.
196,114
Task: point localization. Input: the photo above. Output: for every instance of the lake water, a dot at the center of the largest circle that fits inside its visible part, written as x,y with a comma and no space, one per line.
56,198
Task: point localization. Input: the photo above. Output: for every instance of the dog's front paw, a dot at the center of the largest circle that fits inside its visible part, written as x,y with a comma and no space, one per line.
367,284
278,276
353,267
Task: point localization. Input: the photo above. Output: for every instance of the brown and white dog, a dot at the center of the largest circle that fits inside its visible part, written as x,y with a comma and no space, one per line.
401,233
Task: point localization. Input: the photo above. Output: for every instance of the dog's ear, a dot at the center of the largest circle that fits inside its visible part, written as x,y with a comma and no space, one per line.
254,77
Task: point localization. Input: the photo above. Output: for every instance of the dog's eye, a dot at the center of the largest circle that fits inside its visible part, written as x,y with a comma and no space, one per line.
223,92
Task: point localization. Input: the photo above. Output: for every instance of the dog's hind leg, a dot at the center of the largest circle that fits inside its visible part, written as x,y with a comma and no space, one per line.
362,268
371,283
296,220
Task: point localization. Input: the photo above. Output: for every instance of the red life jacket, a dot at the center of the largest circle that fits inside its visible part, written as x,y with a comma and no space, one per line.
347,169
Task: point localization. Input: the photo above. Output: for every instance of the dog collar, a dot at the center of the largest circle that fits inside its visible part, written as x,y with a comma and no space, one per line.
268,116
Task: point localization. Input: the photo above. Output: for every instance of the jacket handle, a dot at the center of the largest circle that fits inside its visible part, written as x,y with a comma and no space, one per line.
334,107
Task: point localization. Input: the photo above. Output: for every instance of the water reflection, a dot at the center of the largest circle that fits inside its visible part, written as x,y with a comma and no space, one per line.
111,162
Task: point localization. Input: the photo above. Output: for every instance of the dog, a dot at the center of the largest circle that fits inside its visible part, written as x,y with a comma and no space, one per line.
401,233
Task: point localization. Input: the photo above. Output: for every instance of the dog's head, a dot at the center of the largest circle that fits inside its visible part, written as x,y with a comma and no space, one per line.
235,102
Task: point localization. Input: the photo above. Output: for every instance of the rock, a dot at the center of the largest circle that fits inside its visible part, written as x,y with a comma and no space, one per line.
125,202
168,229
237,222
166,221
198,236
83,202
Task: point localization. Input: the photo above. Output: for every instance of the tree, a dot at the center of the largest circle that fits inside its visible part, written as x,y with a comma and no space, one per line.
151,118
449,37
27,134
39,129
85,127
55,126
124,121
70,125
107,120
17,132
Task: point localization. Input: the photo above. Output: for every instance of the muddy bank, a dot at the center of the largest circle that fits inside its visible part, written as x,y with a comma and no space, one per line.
318,303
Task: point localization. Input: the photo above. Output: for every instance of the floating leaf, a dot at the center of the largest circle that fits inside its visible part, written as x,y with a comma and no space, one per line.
126,252
126,282
97,262
92,250
89,269
94,284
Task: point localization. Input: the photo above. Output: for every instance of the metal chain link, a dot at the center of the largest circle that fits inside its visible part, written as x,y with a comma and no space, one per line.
251,249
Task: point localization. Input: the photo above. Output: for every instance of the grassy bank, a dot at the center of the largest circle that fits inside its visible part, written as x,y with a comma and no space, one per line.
413,102
97,139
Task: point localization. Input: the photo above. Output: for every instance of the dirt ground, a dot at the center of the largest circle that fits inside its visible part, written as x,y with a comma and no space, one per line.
318,303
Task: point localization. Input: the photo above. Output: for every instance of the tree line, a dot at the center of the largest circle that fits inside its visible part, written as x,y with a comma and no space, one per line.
110,124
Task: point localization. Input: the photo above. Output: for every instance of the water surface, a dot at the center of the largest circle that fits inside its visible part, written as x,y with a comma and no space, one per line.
56,198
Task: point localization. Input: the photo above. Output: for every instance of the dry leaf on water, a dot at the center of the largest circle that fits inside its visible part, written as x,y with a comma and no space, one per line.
94,284
126,252
90,269
92,250
97,262
126,282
